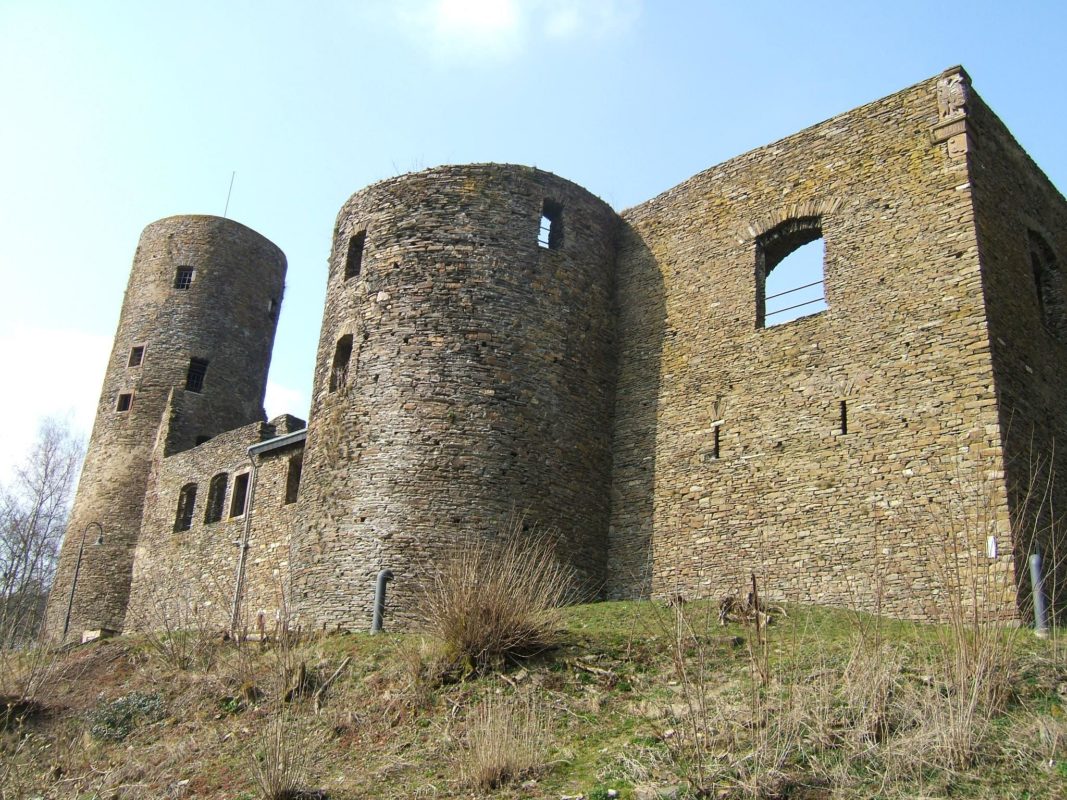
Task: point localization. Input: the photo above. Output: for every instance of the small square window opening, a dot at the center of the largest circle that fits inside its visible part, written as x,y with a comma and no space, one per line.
183,277
136,356
125,402
194,378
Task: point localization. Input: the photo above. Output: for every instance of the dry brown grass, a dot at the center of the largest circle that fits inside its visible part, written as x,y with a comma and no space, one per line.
497,600
507,740
182,626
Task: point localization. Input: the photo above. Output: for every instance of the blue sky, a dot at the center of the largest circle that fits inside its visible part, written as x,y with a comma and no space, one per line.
114,114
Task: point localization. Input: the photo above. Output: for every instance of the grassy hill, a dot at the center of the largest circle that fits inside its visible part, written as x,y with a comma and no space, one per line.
635,700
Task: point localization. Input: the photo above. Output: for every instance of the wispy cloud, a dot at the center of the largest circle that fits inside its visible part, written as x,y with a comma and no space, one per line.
60,372
285,400
477,30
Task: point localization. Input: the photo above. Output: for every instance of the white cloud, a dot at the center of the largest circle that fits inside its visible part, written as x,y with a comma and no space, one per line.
284,400
474,21
59,374
586,19
477,30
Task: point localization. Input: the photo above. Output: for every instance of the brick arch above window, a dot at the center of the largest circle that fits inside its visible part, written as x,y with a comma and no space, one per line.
756,227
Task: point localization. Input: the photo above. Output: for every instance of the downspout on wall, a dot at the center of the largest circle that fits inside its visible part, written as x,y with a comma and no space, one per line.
254,451
239,581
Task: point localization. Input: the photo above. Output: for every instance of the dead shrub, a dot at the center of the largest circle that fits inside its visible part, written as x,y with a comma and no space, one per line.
181,625
507,738
280,765
495,600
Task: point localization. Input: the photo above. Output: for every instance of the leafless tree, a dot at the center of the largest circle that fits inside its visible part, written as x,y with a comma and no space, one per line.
34,506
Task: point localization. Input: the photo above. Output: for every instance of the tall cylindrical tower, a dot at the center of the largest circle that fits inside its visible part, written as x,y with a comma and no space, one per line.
196,330
464,372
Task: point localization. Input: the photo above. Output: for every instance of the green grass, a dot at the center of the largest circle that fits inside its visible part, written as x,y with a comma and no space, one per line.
614,700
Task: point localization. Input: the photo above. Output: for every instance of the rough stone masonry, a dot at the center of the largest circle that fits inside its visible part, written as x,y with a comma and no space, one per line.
498,341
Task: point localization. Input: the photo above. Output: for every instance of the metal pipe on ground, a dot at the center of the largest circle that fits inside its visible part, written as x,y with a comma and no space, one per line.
384,576
1037,585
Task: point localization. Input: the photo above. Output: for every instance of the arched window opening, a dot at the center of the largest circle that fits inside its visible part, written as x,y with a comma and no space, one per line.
789,272
1048,284
341,356
183,520
292,479
216,497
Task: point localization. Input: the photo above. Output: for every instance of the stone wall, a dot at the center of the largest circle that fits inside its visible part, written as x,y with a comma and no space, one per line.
818,514
1022,238
478,381
496,341
186,577
226,313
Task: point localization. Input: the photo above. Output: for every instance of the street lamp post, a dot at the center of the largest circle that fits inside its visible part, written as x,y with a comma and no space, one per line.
77,569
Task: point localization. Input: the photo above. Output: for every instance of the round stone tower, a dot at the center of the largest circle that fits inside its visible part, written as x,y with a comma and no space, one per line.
464,373
192,349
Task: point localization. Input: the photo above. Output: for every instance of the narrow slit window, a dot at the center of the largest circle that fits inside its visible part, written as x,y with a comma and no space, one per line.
136,356
183,277
789,272
843,411
1048,284
194,378
183,520
240,495
125,402
342,355
216,497
716,439
354,258
292,479
550,232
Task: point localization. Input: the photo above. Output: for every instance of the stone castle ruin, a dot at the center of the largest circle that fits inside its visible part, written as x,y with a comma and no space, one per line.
497,339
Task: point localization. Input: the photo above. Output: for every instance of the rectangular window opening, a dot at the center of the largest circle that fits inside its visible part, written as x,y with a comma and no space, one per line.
716,437
342,355
240,495
136,356
194,378
550,231
292,479
844,416
183,277
125,402
354,259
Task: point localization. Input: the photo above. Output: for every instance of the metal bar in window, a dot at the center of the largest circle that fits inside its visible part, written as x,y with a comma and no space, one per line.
790,308
790,291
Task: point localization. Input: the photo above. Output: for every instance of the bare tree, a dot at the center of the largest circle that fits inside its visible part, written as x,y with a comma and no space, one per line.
34,507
